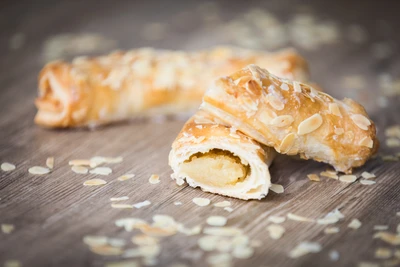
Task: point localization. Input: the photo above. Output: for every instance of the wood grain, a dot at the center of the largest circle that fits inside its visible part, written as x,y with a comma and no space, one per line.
53,212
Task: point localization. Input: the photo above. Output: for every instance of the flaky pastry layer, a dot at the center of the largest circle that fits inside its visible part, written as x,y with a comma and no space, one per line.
124,85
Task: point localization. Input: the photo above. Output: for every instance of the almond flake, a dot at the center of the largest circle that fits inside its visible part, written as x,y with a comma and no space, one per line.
330,174
38,170
310,124
50,162
119,198
348,178
334,255
130,223
228,209
390,238
367,182
297,87
79,162
284,87
216,221
276,219
277,188
368,264
12,263
334,109
95,241
313,177
339,131
398,213
381,227
121,206
275,102
367,175
287,143
177,203
222,259
208,243
125,177
94,182
367,142
101,171
222,231
157,231
276,231
328,220
116,242
355,224
331,230
305,248
154,179
222,204
7,167
361,121
7,228
122,264
189,231
298,218
242,252
282,121
144,240
79,169
113,160
106,250
383,253
393,142
202,202
141,204
96,161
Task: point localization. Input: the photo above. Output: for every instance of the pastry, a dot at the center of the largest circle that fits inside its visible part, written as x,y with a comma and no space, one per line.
144,82
219,159
293,117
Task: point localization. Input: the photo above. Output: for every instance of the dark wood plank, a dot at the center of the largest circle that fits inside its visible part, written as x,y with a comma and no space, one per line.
53,212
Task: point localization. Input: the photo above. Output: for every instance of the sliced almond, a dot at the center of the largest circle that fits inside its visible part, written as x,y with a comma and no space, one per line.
297,87
313,177
310,124
368,175
101,171
202,202
330,174
305,248
339,131
7,167
282,121
119,198
331,230
348,178
287,143
355,224
125,177
277,188
79,169
79,162
275,102
7,228
154,179
222,204
106,250
367,182
366,141
276,231
284,87
298,218
242,252
381,227
95,241
393,239
334,109
94,182
361,121
38,170
383,253
50,162
216,220
276,219
142,204
121,206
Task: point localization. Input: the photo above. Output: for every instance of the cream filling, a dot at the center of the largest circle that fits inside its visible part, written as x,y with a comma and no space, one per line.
218,168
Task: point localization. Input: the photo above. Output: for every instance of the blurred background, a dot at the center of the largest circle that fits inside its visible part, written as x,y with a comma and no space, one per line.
352,46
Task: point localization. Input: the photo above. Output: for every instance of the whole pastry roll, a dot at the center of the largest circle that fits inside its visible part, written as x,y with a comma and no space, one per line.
143,82
293,117
216,158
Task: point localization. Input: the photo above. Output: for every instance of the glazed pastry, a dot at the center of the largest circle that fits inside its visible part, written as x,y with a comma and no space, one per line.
143,82
293,117
218,159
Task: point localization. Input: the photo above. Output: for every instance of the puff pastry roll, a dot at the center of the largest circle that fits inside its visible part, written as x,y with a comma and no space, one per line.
293,117
143,82
216,158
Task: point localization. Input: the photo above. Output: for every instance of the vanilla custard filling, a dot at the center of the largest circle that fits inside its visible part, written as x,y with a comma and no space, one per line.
216,167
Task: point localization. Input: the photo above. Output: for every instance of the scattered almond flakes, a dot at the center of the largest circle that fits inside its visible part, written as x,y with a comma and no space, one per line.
305,248
142,204
242,252
119,198
94,182
331,230
7,167
367,182
177,203
330,174
38,170
216,220
334,255
348,178
202,202
50,162
122,264
95,241
276,231
367,175
313,177
12,263
101,171
154,179
383,253
228,209
79,162
79,169
295,217
106,250
222,204
277,188
355,224
381,227
7,228
390,238
125,177
222,231
121,206
276,219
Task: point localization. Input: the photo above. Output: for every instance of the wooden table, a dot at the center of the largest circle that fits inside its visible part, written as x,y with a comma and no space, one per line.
52,213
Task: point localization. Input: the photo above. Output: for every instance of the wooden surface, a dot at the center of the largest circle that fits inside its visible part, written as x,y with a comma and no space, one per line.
53,212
